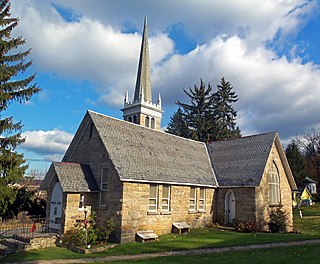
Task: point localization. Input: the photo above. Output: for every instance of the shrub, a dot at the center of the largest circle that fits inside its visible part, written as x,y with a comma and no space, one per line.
278,220
103,232
247,227
73,237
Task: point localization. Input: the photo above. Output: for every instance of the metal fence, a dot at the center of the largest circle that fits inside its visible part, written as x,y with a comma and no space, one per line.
29,227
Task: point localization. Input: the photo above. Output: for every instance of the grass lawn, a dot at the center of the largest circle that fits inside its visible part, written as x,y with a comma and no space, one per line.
309,254
309,226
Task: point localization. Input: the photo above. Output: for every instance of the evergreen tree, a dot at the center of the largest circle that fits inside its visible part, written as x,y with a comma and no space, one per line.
224,113
178,125
296,161
199,114
12,64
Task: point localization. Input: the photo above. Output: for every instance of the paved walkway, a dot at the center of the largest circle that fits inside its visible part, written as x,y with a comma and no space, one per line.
175,253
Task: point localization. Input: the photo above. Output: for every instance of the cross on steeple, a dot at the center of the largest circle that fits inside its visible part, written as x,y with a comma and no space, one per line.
142,110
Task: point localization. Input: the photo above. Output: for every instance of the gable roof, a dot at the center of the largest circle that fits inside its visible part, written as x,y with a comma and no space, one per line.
74,177
143,154
241,161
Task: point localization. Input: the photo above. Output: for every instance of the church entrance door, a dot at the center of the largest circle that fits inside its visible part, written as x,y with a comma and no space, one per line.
56,208
230,206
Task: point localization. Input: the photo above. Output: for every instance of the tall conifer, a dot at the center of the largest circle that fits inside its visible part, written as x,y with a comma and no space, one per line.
199,114
224,113
13,88
296,161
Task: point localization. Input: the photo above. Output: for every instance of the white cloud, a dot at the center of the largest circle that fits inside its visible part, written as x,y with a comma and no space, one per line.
274,93
51,144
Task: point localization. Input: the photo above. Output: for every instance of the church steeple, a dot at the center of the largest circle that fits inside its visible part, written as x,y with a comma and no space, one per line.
142,110
143,83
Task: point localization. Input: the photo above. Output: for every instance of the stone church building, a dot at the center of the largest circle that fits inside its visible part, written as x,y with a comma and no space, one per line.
146,179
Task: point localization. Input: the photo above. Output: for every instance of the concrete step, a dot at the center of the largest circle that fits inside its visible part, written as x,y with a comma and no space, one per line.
5,250
14,243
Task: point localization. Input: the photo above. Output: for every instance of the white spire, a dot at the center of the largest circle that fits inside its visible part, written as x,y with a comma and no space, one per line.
126,97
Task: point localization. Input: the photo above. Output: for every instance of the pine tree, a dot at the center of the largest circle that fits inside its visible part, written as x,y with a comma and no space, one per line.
224,113
199,114
296,161
12,64
178,125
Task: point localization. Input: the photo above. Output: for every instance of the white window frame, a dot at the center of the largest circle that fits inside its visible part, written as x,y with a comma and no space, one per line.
153,207
166,201
81,202
274,185
202,200
193,200
104,185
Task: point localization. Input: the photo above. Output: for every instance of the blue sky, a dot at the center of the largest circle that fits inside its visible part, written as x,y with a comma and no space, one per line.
85,54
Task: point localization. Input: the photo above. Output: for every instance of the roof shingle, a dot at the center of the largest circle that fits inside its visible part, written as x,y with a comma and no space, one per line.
75,177
143,154
241,161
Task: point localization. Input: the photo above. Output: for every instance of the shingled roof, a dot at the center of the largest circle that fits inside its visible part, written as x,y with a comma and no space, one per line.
74,177
143,154
241,161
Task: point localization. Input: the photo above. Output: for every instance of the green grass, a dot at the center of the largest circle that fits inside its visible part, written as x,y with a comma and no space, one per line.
309,226
298,254
310,222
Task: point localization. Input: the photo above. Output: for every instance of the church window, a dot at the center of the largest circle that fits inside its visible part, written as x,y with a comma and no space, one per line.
153,123
104,184
91,131
274,185
135,120
202,199
103,199
147,121
193,199
104,179
153,198
165,204
81,201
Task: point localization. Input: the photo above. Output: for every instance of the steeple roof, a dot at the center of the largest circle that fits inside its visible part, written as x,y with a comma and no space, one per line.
143,83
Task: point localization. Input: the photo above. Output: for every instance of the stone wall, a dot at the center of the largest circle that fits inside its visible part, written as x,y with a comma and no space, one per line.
244,204
253,203
262,192
135,215
91,151
75,215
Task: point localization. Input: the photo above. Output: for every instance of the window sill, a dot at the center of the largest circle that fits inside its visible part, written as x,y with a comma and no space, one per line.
202,211
152,213
165,213
192,212
275,205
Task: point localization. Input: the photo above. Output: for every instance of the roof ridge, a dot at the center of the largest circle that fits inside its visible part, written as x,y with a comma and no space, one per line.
147,128
249,136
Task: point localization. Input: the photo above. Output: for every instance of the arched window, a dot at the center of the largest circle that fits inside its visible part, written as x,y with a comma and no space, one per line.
153,123
130,119
91,131
134,120
147,121
274,185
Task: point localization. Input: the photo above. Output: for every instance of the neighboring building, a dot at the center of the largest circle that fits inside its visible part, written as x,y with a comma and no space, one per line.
146,179
311,185
306,197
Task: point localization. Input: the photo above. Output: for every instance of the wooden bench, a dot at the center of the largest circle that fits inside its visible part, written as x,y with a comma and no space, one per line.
145,236
180,227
